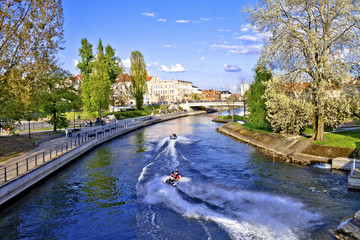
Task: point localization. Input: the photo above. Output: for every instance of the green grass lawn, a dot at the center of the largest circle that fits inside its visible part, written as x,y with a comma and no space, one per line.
236,118
347,139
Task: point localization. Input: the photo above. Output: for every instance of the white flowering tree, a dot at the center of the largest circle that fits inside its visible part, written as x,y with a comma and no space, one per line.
314,40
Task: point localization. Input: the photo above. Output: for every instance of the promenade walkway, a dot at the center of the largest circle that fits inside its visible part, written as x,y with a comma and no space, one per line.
47,150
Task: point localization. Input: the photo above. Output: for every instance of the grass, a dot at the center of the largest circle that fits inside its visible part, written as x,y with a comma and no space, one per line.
14,145
346,139
236,118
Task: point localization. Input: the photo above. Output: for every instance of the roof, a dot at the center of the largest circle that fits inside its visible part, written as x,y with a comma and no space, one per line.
123,78
76,78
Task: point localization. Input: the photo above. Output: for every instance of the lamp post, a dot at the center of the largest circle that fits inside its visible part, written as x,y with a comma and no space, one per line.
74,119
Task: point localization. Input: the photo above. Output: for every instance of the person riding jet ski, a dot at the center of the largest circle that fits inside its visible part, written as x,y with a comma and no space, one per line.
173,136
174,178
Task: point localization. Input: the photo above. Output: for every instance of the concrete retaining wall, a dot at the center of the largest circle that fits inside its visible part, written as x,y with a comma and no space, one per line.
290,150
18,185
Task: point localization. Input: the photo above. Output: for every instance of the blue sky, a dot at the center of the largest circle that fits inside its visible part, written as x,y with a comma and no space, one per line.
207,42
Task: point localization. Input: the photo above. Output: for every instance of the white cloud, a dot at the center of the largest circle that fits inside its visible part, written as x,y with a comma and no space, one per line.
240,49
155,64
76,62
161,20
182,21
205,19
126,63
255,38
224,30
147,14
170,45
231,68
176,68
249,38
196,21
245,28
202,59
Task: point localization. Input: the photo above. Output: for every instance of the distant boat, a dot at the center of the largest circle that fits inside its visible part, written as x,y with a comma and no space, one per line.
173,136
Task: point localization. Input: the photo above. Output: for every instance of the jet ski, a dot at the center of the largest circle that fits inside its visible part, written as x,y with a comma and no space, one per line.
172,181
173,136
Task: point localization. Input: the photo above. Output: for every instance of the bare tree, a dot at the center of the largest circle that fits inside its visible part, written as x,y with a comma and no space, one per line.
316,41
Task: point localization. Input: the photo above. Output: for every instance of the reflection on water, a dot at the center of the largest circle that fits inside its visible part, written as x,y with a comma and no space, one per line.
228,191
139,141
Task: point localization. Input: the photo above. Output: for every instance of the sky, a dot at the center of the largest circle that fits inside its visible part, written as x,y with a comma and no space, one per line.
206,42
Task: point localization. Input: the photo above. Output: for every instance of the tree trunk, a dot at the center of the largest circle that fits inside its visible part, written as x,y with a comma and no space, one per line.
318,127
29,129
54,122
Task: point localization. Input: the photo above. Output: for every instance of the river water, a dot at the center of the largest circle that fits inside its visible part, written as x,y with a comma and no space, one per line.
229,190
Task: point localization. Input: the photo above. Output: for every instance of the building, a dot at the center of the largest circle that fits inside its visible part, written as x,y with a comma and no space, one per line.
211,95
76,81
170,91
225,95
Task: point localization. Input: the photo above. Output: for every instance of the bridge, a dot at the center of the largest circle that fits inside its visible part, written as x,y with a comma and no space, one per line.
220,104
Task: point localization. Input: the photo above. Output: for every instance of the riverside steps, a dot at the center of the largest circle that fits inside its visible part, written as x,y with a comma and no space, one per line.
21,173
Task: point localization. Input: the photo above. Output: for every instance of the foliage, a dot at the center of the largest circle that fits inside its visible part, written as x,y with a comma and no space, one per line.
57,96
85,66
112,63
316,41
230,102
98,73
138,78
339,109
31,35
195,97
287,113
255,100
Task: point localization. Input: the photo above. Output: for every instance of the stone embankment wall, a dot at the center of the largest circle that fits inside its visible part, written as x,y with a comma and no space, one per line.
288,149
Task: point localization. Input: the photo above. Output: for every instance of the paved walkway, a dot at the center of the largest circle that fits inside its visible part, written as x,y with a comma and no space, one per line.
51,148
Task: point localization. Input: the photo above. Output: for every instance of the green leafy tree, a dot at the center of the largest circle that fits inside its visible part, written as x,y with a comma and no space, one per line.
85,66
314,41
255,99
113,63
57,97
138,78
31,34
100,83
287,111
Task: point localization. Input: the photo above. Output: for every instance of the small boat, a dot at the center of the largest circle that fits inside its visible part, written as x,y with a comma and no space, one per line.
173,136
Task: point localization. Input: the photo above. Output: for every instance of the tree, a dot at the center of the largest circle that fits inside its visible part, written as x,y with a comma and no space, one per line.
98,73
255,99
85,66
113,63
100,83
287,110
138,78
57,96
31,33
315,41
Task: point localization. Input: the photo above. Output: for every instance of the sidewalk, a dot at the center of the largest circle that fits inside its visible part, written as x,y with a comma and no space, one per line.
45,146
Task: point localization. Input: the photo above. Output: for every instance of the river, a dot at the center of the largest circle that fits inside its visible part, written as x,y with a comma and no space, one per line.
228,190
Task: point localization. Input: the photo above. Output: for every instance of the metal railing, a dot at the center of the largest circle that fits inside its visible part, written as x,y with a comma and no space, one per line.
20,167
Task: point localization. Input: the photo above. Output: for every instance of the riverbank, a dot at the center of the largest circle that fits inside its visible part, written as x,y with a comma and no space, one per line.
288,149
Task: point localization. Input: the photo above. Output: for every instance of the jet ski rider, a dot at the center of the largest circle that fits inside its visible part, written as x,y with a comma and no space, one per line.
175,176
